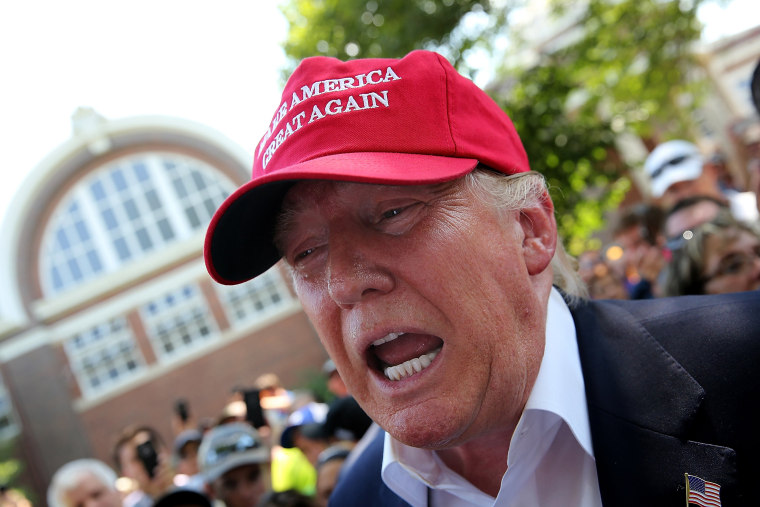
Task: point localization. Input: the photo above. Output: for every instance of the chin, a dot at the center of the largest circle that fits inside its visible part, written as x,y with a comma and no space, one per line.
426,431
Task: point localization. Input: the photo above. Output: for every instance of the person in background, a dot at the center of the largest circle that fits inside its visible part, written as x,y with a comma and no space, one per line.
689,213
335,383
234,463
289,498
677,170
424,251
83,483
329,466
186,459
638,231
300,443
716,257
140,454
754,164
182,497
605,283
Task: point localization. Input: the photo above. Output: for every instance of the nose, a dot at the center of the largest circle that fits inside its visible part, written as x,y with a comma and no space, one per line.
355,268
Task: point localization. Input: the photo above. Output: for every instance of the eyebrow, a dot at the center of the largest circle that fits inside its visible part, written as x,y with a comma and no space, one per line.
283,224
287,218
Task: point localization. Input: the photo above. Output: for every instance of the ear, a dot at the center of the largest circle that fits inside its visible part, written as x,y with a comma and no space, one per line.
539,235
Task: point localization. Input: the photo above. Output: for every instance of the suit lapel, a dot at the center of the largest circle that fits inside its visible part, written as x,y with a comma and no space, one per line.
641,405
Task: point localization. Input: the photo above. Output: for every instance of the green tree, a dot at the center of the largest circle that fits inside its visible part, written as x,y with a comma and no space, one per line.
11,467
624,66
628,68
349,29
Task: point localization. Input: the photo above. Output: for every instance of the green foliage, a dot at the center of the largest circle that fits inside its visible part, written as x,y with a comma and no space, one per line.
315,382
576,154
636,64
630,69
349,29
10,467
625,66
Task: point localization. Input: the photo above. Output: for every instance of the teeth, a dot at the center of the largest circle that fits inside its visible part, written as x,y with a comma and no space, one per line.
387,338
408,368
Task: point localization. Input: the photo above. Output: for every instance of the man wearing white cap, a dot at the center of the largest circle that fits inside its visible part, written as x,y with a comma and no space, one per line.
677,170
234,464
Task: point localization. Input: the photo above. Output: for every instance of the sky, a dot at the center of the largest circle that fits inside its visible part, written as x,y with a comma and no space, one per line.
216,63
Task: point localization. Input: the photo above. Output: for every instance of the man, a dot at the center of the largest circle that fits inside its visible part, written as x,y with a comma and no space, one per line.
185,456
638,231
424,252
84,483
677,170
234,463
305,431
690,213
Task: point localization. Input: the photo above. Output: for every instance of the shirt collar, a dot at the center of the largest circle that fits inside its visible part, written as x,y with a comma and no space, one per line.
559,390
559,387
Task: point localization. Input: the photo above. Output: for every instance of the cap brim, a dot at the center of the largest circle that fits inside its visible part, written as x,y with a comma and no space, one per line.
286,438
239,243
253,457
688,170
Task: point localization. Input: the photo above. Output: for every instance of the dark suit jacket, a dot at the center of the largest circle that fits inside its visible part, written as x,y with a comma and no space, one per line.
673,387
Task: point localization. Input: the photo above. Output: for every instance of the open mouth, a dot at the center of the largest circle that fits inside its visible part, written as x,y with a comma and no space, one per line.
401,355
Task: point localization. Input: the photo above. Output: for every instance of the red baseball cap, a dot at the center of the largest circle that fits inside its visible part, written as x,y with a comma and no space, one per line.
410,121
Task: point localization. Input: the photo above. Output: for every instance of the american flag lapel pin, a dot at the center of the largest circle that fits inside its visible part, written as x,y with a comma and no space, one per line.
701,492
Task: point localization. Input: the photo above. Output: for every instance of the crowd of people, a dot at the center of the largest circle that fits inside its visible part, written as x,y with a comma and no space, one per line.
698,235
269,447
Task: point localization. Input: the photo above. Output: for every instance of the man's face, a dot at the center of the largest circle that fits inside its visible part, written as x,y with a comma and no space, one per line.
430,278
91,492
690,217
240,487
309,447
327,478
188,464
705,184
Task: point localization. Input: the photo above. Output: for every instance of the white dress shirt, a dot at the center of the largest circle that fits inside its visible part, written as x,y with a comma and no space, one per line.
550,459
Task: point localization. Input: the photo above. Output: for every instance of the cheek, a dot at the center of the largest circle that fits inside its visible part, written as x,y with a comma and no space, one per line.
316,302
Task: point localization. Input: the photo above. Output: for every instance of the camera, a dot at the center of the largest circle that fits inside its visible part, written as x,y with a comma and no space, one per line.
146,452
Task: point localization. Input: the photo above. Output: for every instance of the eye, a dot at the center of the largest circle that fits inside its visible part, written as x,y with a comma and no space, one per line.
302,255
406,209
392,213
733,267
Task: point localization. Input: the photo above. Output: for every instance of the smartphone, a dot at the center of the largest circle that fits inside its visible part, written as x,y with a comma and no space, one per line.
253,411
146,452
180,406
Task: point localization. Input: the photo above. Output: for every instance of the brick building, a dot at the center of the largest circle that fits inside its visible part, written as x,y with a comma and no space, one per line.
107,315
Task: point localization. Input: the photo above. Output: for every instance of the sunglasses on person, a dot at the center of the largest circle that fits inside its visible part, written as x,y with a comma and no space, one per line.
735,264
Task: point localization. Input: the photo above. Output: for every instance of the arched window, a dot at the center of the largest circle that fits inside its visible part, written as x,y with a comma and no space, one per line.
125,210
